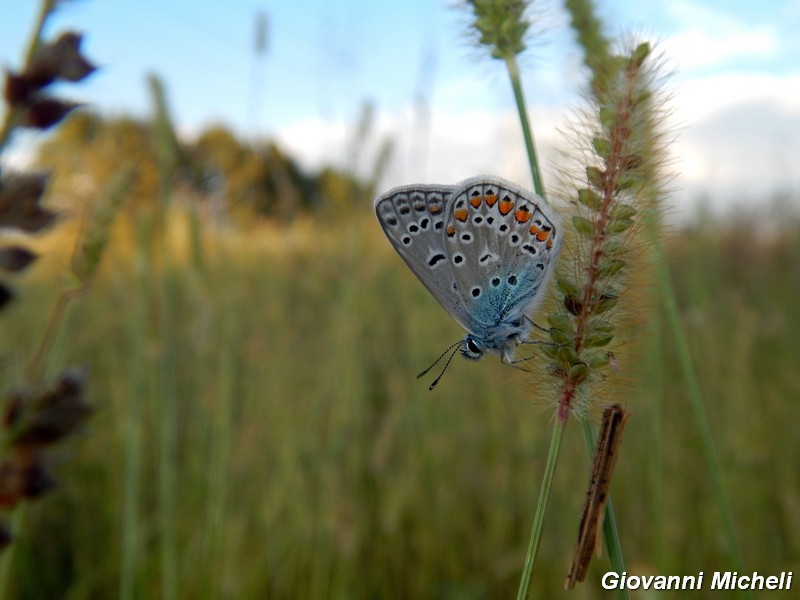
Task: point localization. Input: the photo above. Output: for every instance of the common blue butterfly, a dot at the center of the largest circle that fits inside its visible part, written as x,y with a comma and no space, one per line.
483,247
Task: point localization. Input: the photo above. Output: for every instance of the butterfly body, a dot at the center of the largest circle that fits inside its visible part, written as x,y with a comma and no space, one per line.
483,248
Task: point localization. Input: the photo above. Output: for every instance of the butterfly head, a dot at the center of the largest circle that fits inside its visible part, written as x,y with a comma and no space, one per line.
471,347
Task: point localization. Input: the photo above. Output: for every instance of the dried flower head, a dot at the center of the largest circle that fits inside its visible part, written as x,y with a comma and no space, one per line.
33,420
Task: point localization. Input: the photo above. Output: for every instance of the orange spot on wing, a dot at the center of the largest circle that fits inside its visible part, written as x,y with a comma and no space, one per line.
451,230
505,207
549,244
490,199
476,201
535,230
542,235
522,214
436,209
461,214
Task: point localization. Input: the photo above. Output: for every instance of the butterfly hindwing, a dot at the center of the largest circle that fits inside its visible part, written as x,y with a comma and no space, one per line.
413,217
500,244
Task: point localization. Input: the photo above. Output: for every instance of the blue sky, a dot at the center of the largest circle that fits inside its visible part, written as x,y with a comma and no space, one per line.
735,104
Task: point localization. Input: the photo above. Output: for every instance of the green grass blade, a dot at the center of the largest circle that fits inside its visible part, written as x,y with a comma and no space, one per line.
541,508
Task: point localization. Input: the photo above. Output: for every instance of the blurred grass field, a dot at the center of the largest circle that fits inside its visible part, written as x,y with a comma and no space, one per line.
259,417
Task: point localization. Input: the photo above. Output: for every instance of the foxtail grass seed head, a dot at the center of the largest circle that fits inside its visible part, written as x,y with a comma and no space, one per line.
94,237
502,25
609,203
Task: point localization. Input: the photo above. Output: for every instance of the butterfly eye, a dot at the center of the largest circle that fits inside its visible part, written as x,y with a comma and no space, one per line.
473,347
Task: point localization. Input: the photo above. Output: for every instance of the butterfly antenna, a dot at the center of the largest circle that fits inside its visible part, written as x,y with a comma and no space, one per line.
441,356
447,364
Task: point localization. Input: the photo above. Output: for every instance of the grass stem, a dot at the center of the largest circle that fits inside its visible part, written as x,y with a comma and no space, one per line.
134,419
541,508
699,415
527,132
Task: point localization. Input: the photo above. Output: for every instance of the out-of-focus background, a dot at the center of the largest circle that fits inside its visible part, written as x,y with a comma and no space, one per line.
252,338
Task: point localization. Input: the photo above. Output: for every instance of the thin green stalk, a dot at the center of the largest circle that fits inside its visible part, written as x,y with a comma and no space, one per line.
541,508
168,424
169,156
134,418
222,440
610,533
698,411
655,379
513,74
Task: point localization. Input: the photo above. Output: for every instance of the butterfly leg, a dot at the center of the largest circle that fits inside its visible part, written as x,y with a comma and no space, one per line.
507,359
539,327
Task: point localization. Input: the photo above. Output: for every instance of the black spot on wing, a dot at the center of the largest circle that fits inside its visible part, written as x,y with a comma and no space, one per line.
436,259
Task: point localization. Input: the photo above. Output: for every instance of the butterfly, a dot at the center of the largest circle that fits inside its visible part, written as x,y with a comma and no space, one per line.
483,247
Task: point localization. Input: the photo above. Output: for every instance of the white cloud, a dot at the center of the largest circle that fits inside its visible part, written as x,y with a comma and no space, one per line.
709,37
315,142
442,148
700,98
738,135
743,150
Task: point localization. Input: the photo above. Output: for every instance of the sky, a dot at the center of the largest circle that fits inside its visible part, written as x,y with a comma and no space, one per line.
734,88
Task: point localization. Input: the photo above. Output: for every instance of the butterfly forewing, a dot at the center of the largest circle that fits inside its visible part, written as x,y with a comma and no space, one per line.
500,243
413,219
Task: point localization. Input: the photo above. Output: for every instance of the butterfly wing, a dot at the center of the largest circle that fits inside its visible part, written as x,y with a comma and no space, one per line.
502,241
412,217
